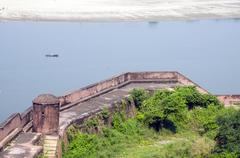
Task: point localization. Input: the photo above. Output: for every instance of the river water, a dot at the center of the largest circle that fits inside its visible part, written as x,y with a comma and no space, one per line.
207,52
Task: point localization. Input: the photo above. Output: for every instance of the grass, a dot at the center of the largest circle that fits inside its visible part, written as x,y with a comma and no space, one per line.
139,142
167,145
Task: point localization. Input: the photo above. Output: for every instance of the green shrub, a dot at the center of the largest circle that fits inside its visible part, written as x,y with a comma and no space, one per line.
81,146
118,119
195,99
203,120
228,137
92,122
165,109
71,132
111,142
139,95
105,113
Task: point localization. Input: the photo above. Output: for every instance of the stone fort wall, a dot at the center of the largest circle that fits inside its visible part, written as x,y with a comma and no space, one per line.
17,122
229,100
123,79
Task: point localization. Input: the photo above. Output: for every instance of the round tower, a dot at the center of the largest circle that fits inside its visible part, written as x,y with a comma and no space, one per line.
46,114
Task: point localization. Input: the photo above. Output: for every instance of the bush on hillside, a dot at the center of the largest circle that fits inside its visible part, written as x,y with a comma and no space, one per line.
203,120
163,110
139,95
195,99
168,109
228,137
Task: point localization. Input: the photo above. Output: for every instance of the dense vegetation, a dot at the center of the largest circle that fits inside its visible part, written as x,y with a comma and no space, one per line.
179,123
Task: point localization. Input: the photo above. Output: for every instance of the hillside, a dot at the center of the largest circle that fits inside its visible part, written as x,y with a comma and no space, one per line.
179,123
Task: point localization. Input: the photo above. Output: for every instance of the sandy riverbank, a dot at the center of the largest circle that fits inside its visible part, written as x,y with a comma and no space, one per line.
118,10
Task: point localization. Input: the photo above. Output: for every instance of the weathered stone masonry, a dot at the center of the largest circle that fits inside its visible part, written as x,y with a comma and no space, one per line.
46,114
51,115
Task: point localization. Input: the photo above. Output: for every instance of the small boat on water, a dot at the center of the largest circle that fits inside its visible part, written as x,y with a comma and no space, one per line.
52,55
153,22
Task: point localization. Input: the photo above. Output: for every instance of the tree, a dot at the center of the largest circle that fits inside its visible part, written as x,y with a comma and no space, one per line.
196,99
164,109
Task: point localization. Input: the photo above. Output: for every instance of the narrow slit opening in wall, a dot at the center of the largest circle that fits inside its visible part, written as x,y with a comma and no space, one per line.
43,114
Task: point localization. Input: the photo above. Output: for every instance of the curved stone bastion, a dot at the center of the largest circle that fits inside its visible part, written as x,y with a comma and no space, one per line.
43,126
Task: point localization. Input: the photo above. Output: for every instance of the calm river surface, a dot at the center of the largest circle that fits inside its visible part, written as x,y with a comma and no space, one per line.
208,52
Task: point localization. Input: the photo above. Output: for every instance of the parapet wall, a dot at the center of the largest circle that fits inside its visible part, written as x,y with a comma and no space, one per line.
123,79
163,76
186,81
93,89
18,121
15,121
229,100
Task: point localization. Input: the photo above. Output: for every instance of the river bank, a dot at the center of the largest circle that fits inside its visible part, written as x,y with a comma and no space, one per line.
118,10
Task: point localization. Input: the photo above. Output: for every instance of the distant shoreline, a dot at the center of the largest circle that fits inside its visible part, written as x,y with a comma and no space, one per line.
111,11
114,20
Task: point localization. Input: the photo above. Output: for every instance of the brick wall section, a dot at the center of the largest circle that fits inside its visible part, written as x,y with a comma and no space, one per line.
164,76
13,122
185,81
16,120
93,89
229,100
26,116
